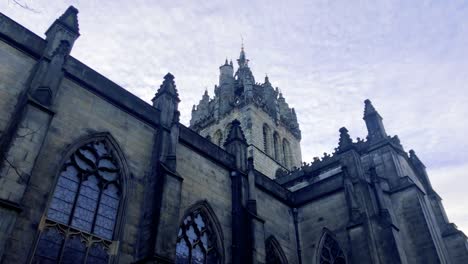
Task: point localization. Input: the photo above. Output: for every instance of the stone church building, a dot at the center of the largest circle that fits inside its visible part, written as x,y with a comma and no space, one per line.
90,173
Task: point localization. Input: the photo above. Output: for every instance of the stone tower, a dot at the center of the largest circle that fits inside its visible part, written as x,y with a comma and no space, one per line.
270,125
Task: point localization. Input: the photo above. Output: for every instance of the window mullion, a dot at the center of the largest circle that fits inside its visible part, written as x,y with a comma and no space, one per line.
97,209
62,248
88,248
75,201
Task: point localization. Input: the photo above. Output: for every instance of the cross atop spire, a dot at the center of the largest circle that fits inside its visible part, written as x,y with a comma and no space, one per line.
242,61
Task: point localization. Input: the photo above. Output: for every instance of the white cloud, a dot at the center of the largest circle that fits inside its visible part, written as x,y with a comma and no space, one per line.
409,58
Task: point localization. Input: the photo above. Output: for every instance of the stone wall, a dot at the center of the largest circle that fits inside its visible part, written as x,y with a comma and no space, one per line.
330,212
279,223
81,113
204,180
15,68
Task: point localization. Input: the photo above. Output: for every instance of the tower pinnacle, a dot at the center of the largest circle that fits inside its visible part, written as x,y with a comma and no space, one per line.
375,127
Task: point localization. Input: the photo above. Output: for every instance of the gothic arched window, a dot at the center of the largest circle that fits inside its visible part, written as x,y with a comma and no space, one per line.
198,240
287,153
266,139
81,220
276,146
218,138
329,251
274,253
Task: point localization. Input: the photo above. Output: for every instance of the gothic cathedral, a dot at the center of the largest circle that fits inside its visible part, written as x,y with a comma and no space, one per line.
90,173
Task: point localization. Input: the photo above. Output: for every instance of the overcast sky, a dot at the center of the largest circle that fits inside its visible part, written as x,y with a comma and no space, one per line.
409,57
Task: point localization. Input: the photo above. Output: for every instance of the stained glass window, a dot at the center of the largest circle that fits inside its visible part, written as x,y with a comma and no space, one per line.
81,218
196,241
330,251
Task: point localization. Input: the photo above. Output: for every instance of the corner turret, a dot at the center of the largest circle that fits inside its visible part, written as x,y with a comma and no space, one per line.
226,74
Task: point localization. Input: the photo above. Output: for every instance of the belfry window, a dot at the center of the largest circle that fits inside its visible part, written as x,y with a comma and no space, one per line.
276,146
266,139
197,241
287,154
80,223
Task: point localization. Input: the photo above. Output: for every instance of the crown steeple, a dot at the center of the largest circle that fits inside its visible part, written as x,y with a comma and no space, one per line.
242,61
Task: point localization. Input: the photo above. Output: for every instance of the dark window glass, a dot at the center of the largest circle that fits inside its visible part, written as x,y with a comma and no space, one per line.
83,208
331,253
49,246
196,243
274,253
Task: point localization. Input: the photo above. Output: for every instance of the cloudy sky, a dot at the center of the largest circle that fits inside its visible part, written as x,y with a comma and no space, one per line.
409,57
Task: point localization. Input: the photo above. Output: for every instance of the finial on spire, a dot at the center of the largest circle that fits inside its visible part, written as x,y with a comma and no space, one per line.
368,107
242,42
168,86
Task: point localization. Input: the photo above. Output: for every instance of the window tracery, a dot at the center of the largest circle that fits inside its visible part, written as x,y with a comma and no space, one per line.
79,225
197,241
330,251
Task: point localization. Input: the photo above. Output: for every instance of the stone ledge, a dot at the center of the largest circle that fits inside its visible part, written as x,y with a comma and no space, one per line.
11,205
205,147
20,37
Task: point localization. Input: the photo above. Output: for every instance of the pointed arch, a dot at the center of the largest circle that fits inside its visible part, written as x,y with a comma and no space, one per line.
218,138
200,238
277,146
83,218
287,153
274,252
329,250
267,139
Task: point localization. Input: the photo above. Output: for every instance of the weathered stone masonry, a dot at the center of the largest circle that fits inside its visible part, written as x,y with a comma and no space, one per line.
91,173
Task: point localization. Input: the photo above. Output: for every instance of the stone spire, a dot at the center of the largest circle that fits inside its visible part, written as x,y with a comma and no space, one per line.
375,127
167,101
168,87
60,38
345,140
236,144
64,29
